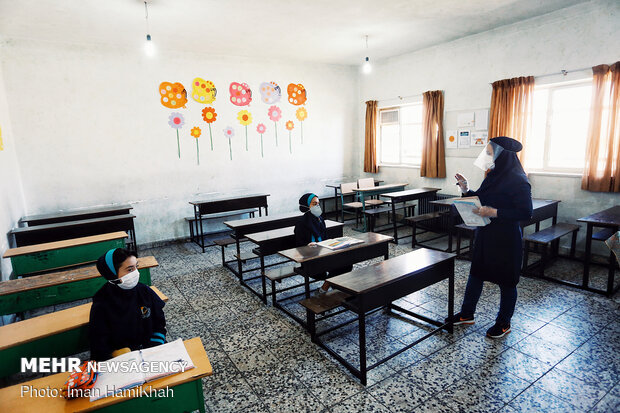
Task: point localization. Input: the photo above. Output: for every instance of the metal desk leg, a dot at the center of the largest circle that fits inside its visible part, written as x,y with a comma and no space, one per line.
610,275
336,202
239,264
586,258
451,300
362,337
263,278
394,222
364,211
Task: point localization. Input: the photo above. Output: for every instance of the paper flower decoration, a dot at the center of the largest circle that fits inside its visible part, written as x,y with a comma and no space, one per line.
275,114
209,116
301,114
270,92
203,91
240,94
245,118
196,132
261,129
176,121
289,126
296,94
229,133
173,95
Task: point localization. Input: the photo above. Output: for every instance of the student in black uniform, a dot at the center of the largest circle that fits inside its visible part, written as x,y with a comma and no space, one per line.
125,312
311,229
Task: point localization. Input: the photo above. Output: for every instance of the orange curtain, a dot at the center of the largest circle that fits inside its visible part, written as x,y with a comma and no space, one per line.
433,153
370,148
511,105
602,170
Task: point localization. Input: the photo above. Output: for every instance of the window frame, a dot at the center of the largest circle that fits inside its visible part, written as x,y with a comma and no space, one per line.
546,168
400,162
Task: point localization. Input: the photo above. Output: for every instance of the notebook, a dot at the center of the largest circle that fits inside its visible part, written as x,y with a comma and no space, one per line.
122,373
465,207
339,243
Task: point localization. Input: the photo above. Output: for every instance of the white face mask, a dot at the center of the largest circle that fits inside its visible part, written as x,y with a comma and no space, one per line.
316,210
484,161
129,281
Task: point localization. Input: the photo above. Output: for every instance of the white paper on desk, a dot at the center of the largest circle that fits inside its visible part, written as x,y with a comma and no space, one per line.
465,119
339,243
482,119
128,370
465,207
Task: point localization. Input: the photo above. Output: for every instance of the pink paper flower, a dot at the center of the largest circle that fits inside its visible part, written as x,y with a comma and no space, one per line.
275,113
261,128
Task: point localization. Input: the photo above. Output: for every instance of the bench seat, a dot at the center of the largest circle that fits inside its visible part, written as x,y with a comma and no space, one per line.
320,304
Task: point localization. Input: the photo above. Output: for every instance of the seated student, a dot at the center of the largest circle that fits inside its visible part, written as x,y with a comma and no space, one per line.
125,312
311,229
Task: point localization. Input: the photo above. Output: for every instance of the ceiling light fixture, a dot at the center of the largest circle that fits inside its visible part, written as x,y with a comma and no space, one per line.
149,47
366,67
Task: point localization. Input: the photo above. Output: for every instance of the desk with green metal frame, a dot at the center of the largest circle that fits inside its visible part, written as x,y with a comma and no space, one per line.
362,193
406,196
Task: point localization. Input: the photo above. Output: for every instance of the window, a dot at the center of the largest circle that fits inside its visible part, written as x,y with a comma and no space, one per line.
400,135
560,117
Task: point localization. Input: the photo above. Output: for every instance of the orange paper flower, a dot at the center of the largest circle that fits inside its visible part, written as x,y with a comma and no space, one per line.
196,132
301,114
290,125
209,115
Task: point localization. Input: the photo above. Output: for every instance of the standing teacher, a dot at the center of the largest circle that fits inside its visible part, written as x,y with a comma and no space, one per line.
506,197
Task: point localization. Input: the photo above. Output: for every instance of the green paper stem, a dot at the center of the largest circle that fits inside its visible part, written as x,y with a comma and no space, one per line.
302,132
210,136
230,148
276,129
261,146
178,144
290,148
197,152
246,137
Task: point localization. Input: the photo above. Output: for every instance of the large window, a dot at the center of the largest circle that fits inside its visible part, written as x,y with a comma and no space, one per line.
400,135
560,117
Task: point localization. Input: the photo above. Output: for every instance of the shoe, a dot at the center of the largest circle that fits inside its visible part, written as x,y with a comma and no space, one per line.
458,319
319,292
498,330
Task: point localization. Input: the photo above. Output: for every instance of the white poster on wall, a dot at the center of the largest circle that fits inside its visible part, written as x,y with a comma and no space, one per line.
465,120
482,119
464,138
451,141
479,138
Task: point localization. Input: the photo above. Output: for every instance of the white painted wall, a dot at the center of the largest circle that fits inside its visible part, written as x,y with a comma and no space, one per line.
577,37
11,197
90,130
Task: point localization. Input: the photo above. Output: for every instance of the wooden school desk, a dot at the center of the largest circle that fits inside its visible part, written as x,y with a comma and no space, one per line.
406,196
362,193
36,258
23,294
187,395
75,215
270,242
336,187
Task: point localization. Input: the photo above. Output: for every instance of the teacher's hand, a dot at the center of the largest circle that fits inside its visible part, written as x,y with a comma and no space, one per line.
485,211
461,181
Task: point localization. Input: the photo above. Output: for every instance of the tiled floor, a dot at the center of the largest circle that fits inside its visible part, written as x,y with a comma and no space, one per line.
562,354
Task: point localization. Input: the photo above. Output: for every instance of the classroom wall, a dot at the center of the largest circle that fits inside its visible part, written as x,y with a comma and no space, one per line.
11,197
90,130
573,38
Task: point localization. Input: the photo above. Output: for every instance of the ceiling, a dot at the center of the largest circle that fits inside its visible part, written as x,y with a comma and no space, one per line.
328,31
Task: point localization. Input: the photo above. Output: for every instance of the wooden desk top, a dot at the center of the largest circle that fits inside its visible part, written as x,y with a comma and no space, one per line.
61,277
239,223
46,325
610,216
381,187
82,222
536,202
410,192
225,198
374,276
259,237
57,245
10,400
337,185
76,212
303,254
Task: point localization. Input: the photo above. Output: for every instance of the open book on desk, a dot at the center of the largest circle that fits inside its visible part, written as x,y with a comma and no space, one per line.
465,207
339,243
138,367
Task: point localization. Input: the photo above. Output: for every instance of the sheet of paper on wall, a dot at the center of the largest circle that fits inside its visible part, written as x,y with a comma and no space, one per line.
451,140
613,243
479,138
464,138
465,206
465,120
482,119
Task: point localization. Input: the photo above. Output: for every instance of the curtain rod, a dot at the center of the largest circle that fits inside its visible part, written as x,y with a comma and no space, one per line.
561,72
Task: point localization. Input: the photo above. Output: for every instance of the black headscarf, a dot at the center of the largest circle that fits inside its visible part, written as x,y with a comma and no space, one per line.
309,228
110,262
304,202
507,165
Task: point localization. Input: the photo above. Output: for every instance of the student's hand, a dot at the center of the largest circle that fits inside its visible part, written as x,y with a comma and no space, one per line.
485,211
312,244
461,181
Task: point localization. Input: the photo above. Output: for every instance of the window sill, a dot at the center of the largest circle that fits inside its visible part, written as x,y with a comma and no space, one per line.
399,166
557,174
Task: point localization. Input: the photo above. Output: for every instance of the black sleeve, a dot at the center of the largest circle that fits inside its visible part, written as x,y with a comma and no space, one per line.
302,235
159,321
99,334
521,208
